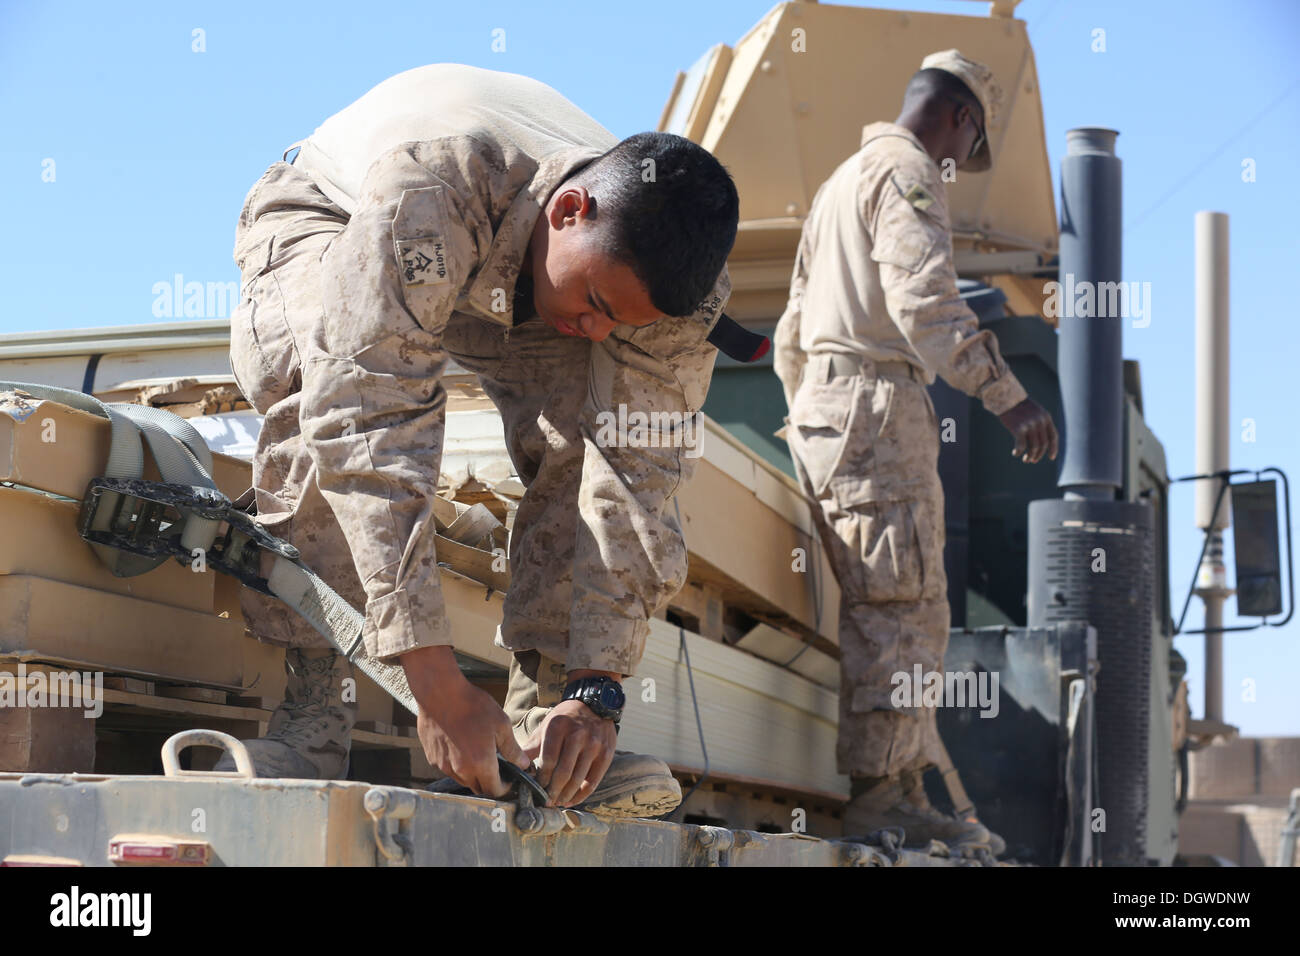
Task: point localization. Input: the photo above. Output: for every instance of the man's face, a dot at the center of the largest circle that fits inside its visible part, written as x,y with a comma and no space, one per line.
969,133
577,289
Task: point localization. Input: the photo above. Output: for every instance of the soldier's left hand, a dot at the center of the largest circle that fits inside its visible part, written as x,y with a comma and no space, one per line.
576,749
1032,428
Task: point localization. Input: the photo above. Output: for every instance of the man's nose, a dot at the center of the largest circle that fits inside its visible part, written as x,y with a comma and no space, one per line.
596,326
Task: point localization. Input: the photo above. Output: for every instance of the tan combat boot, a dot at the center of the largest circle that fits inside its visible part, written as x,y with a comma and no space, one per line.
900,801
634,786
309,734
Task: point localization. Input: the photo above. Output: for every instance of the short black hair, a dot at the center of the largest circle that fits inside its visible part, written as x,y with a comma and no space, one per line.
668,210
927,88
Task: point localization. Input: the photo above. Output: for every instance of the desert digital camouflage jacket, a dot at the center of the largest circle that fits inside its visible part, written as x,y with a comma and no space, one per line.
874,276
444,171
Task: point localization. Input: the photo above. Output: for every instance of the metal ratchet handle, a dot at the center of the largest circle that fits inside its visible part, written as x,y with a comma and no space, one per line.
527,783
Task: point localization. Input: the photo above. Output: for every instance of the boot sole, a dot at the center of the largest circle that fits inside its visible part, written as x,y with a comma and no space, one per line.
630,802
636,801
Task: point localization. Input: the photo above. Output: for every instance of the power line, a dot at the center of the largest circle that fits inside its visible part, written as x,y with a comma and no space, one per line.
1209,159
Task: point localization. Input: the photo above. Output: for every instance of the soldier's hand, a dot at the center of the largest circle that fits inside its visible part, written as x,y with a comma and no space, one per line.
461,728
576,749
1032,428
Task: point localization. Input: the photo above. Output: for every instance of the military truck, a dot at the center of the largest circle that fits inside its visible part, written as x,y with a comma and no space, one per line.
738,686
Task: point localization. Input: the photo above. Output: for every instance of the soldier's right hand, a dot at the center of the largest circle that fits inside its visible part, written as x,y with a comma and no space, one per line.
461,728
1032,428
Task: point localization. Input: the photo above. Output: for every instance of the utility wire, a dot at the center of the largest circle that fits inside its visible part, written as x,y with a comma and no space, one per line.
699,725
1210,158
690,676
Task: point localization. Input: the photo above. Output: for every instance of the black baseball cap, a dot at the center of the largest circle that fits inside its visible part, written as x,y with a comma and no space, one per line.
736,341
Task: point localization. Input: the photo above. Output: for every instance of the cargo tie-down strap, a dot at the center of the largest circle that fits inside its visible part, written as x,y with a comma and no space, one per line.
135,525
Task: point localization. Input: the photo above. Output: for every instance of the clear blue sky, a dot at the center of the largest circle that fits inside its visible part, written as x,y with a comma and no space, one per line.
155,146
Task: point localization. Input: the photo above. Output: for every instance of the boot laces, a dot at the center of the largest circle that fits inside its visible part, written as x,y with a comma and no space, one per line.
307,697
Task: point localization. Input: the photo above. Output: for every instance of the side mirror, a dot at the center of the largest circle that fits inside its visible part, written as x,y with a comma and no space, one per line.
1255,546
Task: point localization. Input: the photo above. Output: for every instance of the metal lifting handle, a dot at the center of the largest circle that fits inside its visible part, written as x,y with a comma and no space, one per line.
174,744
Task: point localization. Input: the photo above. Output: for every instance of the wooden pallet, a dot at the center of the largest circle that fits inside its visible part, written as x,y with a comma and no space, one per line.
138,716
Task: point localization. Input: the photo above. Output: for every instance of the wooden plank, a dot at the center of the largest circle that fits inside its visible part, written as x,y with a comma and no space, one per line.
758,475
702,603
257,703
761,784
371,738
474,620
743,546
52,620
792,653
777,491
206,694
473,563
130,684
472,526
722,452
46,740
173,705
759,720
762,812
445,512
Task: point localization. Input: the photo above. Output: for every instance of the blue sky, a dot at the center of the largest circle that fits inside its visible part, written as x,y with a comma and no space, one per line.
155,145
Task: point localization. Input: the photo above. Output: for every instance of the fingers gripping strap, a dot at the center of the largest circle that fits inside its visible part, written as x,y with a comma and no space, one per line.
322,608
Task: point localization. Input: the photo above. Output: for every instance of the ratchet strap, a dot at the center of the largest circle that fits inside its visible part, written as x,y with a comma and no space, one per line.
135,525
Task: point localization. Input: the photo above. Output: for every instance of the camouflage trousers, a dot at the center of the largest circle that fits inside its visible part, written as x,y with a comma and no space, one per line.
866,449
536,376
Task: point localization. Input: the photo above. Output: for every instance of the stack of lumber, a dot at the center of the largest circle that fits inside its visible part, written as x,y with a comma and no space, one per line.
757,619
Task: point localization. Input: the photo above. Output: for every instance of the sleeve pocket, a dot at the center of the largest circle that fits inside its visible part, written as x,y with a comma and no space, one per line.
905,234
420,239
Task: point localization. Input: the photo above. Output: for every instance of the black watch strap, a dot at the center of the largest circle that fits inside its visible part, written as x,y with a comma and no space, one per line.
603,695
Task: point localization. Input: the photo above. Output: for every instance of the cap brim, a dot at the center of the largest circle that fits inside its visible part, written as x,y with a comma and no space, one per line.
736,341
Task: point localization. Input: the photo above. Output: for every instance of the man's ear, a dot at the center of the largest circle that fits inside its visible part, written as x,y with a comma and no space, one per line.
571,204
959,117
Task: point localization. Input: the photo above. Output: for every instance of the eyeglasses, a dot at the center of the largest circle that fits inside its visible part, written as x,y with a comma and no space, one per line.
979,129
979,139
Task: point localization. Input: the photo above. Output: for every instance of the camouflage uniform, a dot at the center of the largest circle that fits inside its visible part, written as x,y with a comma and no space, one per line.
874,314
392,242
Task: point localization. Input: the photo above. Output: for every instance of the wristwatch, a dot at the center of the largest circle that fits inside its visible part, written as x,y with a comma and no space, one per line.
603,695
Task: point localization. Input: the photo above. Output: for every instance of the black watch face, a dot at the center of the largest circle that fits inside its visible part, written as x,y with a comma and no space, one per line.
611,697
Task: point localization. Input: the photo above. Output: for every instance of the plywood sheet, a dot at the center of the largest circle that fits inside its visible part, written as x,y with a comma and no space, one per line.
56,621
760,720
